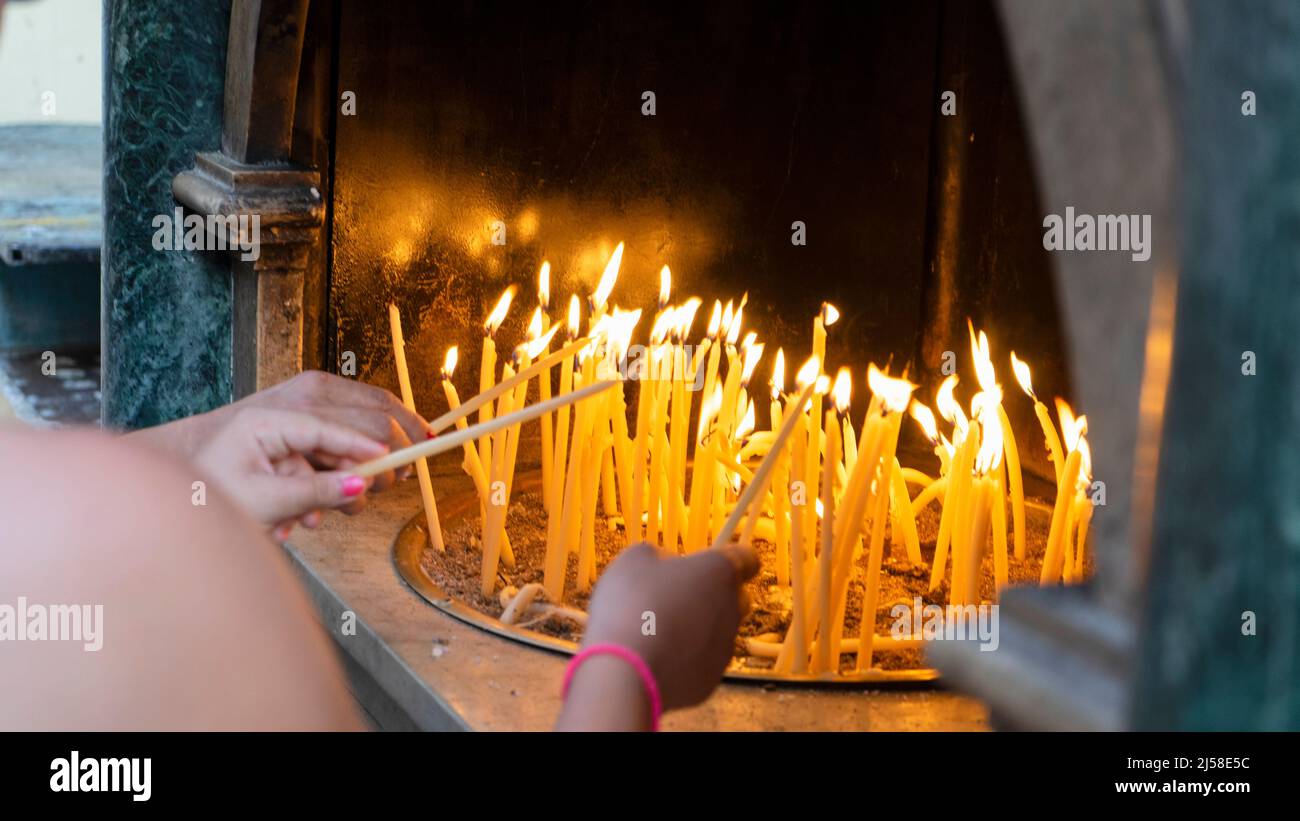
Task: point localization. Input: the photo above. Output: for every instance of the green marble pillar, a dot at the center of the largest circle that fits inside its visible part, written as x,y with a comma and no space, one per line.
166,314
1226,558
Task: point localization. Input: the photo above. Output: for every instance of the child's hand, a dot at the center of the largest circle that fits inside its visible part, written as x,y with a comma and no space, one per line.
263,459
678,614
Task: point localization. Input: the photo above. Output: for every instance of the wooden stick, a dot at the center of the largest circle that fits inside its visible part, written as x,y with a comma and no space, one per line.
765,467
541,366
441,444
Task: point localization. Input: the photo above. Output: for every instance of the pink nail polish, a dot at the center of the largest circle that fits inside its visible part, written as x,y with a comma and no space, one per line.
353,486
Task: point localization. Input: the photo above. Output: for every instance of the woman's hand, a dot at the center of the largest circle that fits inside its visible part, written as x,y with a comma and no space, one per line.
367,409
266,459
678,614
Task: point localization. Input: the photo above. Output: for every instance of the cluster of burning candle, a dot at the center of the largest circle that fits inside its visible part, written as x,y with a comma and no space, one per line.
823,490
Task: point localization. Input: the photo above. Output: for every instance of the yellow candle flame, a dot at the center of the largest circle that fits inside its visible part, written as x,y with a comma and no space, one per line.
808,372
663,326
989,455
575,316
843,390
536,346
984,399
748,341
621,326
733,330
747,422
535,324
894,393
1069,425
823,384
778,374
607,279
830,314
544,285
715,321
949,408
728,313
708,410
925,418
752,354
449,362
665,286
498,314
685,317
1021,370
985,374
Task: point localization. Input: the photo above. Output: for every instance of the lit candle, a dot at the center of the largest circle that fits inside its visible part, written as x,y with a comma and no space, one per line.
826,317
960,465
781,481
408,399
558,464
982,494
1053,557
894,395
1021,370
544,387
604,468
985,372
663,365
823,663
498,485
600,297
963,493
718,482
853,504
472,464
798,640
871,594
556,550
620,339
488,365
645,376
679,419
479,400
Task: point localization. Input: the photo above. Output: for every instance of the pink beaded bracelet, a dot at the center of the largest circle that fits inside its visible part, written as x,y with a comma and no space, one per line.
638,664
